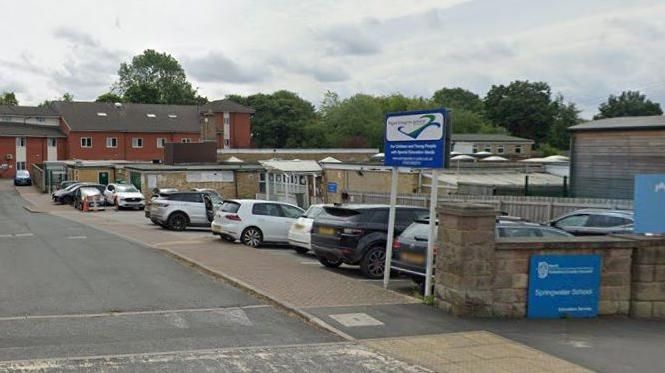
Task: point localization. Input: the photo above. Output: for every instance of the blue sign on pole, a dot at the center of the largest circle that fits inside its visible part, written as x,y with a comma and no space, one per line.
563,286
416,139
649,204
332,187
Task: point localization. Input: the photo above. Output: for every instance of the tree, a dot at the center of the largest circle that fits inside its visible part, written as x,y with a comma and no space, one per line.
466,121
8,98
155,78
458,98
66,97
109,97
524,108
628,104
282,119
566,114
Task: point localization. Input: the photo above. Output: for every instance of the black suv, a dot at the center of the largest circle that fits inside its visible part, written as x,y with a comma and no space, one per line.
357,234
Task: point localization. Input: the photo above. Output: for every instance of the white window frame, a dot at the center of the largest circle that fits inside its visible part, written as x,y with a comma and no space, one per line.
52,140
86,142
109,142
488,148
186,140
135,142
21,142
500,149
161,142
21,165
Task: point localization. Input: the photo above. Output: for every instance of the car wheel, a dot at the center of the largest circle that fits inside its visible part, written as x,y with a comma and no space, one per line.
373,263
330,263
177,222
300,250
252,236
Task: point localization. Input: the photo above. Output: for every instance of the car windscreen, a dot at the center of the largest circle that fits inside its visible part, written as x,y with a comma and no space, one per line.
22,173
126,189
416,230
230,206
313,211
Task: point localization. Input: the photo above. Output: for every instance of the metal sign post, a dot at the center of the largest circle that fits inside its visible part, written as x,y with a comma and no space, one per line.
431,238
415,139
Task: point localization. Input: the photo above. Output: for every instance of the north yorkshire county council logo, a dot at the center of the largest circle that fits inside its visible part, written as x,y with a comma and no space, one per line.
543,269
416,132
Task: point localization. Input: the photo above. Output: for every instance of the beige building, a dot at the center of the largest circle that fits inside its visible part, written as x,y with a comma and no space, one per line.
503,145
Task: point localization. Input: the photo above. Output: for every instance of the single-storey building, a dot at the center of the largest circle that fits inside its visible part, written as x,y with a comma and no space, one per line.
606,155
503,145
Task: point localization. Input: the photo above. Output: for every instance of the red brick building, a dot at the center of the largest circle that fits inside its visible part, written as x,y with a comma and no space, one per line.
108,131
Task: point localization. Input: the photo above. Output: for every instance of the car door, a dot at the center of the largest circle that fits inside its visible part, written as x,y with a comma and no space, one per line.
195,208
108,193
265,217
289,215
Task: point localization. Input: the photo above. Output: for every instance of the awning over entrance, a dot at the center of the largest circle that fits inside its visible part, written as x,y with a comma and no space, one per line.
291,166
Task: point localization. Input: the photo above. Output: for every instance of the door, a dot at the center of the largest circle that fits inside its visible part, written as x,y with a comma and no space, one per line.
103,178
195,208
21,153
51,149
135,179
289,215
268,217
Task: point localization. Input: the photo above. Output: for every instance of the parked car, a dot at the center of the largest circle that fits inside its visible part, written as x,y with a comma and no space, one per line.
22,177
255,222
207,190
301,229
124,196
180,210
68,195
156,193
92,194
596,222
410,248
59,195
357,235
64,184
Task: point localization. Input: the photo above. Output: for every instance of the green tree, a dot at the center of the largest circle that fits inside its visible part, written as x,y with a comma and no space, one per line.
524,108
155,78
282,119
8,98
466,121
109,97
566,114
66,97
458,98
628,104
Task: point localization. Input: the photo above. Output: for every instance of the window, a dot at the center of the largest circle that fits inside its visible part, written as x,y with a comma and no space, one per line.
41,119
231,207
186,197
266,209
404,217
20,166
111,142
475,149
20,142
518,149
416,230
553,233
291,212
185,140
51,142
607,221
488,148
161,142
573,221
518,232
86,142
500,149
137,142
227,118
379,217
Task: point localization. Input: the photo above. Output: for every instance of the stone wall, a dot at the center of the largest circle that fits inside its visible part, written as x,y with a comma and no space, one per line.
479,275
244,185
366,181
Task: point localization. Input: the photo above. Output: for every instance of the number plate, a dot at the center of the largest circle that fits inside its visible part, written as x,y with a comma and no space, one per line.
327,231
413,258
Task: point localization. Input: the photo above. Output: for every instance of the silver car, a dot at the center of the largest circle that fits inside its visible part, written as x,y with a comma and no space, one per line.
589,222
180,210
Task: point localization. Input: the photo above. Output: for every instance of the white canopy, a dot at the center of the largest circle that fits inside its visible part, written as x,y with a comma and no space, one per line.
330,160
379,155
482,153
462,158
291,166
557,158
234,159
494,158
454,153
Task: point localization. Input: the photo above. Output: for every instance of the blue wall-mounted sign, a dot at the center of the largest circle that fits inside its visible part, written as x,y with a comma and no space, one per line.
564,286
332,187
649,204
416,139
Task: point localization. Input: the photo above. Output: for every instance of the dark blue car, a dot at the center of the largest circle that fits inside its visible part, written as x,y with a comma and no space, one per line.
22,178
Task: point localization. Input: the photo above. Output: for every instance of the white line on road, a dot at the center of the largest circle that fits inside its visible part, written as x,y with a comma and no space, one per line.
129,313
5,235
24,234
77,237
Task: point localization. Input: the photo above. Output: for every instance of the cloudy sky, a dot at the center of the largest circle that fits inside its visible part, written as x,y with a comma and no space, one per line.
585,49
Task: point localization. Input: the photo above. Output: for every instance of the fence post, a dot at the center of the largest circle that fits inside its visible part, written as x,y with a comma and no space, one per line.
526,185
500,206
549,211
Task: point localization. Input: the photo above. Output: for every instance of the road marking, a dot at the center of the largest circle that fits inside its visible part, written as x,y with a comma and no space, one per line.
129,313
350,320
24,234
169,243
77,237
5,235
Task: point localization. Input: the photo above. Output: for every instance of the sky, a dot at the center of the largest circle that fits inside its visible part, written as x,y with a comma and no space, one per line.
585,49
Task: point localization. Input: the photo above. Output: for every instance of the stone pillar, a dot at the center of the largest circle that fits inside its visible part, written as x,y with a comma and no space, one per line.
465,259
648,279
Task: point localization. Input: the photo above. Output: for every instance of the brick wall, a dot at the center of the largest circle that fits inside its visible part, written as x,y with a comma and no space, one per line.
36,152
479,275
124,149
245,183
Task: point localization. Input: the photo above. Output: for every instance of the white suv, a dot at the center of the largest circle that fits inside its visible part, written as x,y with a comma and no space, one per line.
180,210
124,195
254,222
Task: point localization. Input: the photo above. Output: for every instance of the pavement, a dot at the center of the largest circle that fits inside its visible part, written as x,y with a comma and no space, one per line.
390,323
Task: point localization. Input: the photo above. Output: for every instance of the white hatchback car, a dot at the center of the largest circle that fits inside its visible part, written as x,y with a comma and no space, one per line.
254,222
124,195
300,234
